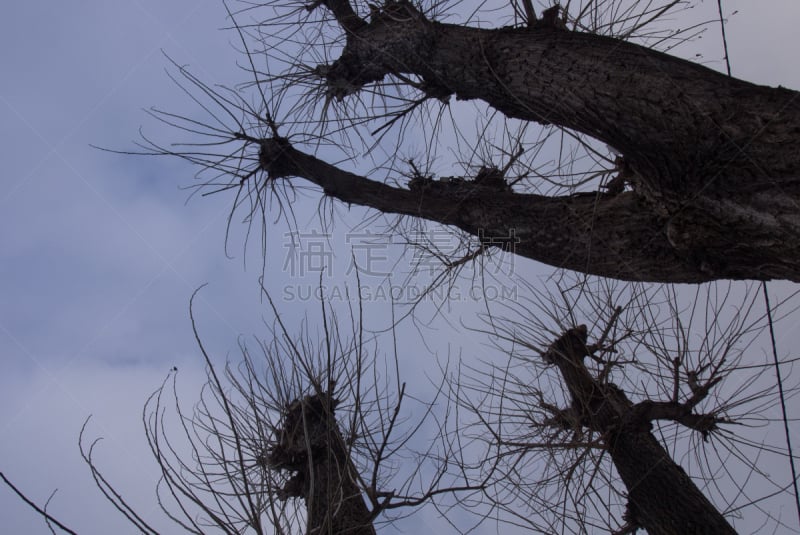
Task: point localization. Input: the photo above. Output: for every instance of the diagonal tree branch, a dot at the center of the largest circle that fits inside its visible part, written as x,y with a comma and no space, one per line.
657,485
710,159
617,236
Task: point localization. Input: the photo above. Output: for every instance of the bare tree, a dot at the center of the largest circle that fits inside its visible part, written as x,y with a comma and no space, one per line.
304,436
657,386
678,173
668,171
654,416
657,178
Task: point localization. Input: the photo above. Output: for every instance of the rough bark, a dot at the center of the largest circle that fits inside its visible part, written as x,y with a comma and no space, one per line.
311,447
711,161
661,497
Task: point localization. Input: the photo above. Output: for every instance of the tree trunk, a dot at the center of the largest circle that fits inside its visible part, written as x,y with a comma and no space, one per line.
661,497
711,161
311,447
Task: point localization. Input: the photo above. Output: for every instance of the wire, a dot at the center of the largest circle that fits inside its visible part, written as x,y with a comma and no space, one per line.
724,37
782,398
769,319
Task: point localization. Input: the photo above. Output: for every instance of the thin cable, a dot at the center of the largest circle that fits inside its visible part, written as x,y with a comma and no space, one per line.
783,400
769,319
724,38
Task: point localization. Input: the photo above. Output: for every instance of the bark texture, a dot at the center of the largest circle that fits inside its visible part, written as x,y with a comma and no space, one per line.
661,497
311,447
711,161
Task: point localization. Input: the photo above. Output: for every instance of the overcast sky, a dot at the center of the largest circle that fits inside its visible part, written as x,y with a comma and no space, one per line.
100,252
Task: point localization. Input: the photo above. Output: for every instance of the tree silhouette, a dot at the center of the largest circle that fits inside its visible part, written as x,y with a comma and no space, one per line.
664,171
660,386
699,184
583,429
303,435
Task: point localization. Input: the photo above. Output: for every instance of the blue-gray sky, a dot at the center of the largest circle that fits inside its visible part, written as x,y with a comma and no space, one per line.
100,252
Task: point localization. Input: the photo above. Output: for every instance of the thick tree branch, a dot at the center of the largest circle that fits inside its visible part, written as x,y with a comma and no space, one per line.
646,411
657,486
343,12
617,236
712,159
667,115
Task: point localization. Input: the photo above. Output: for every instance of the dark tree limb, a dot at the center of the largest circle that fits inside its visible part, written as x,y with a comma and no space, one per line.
618,236
310,445
657,485
663,113
344,13
711,159
646,411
